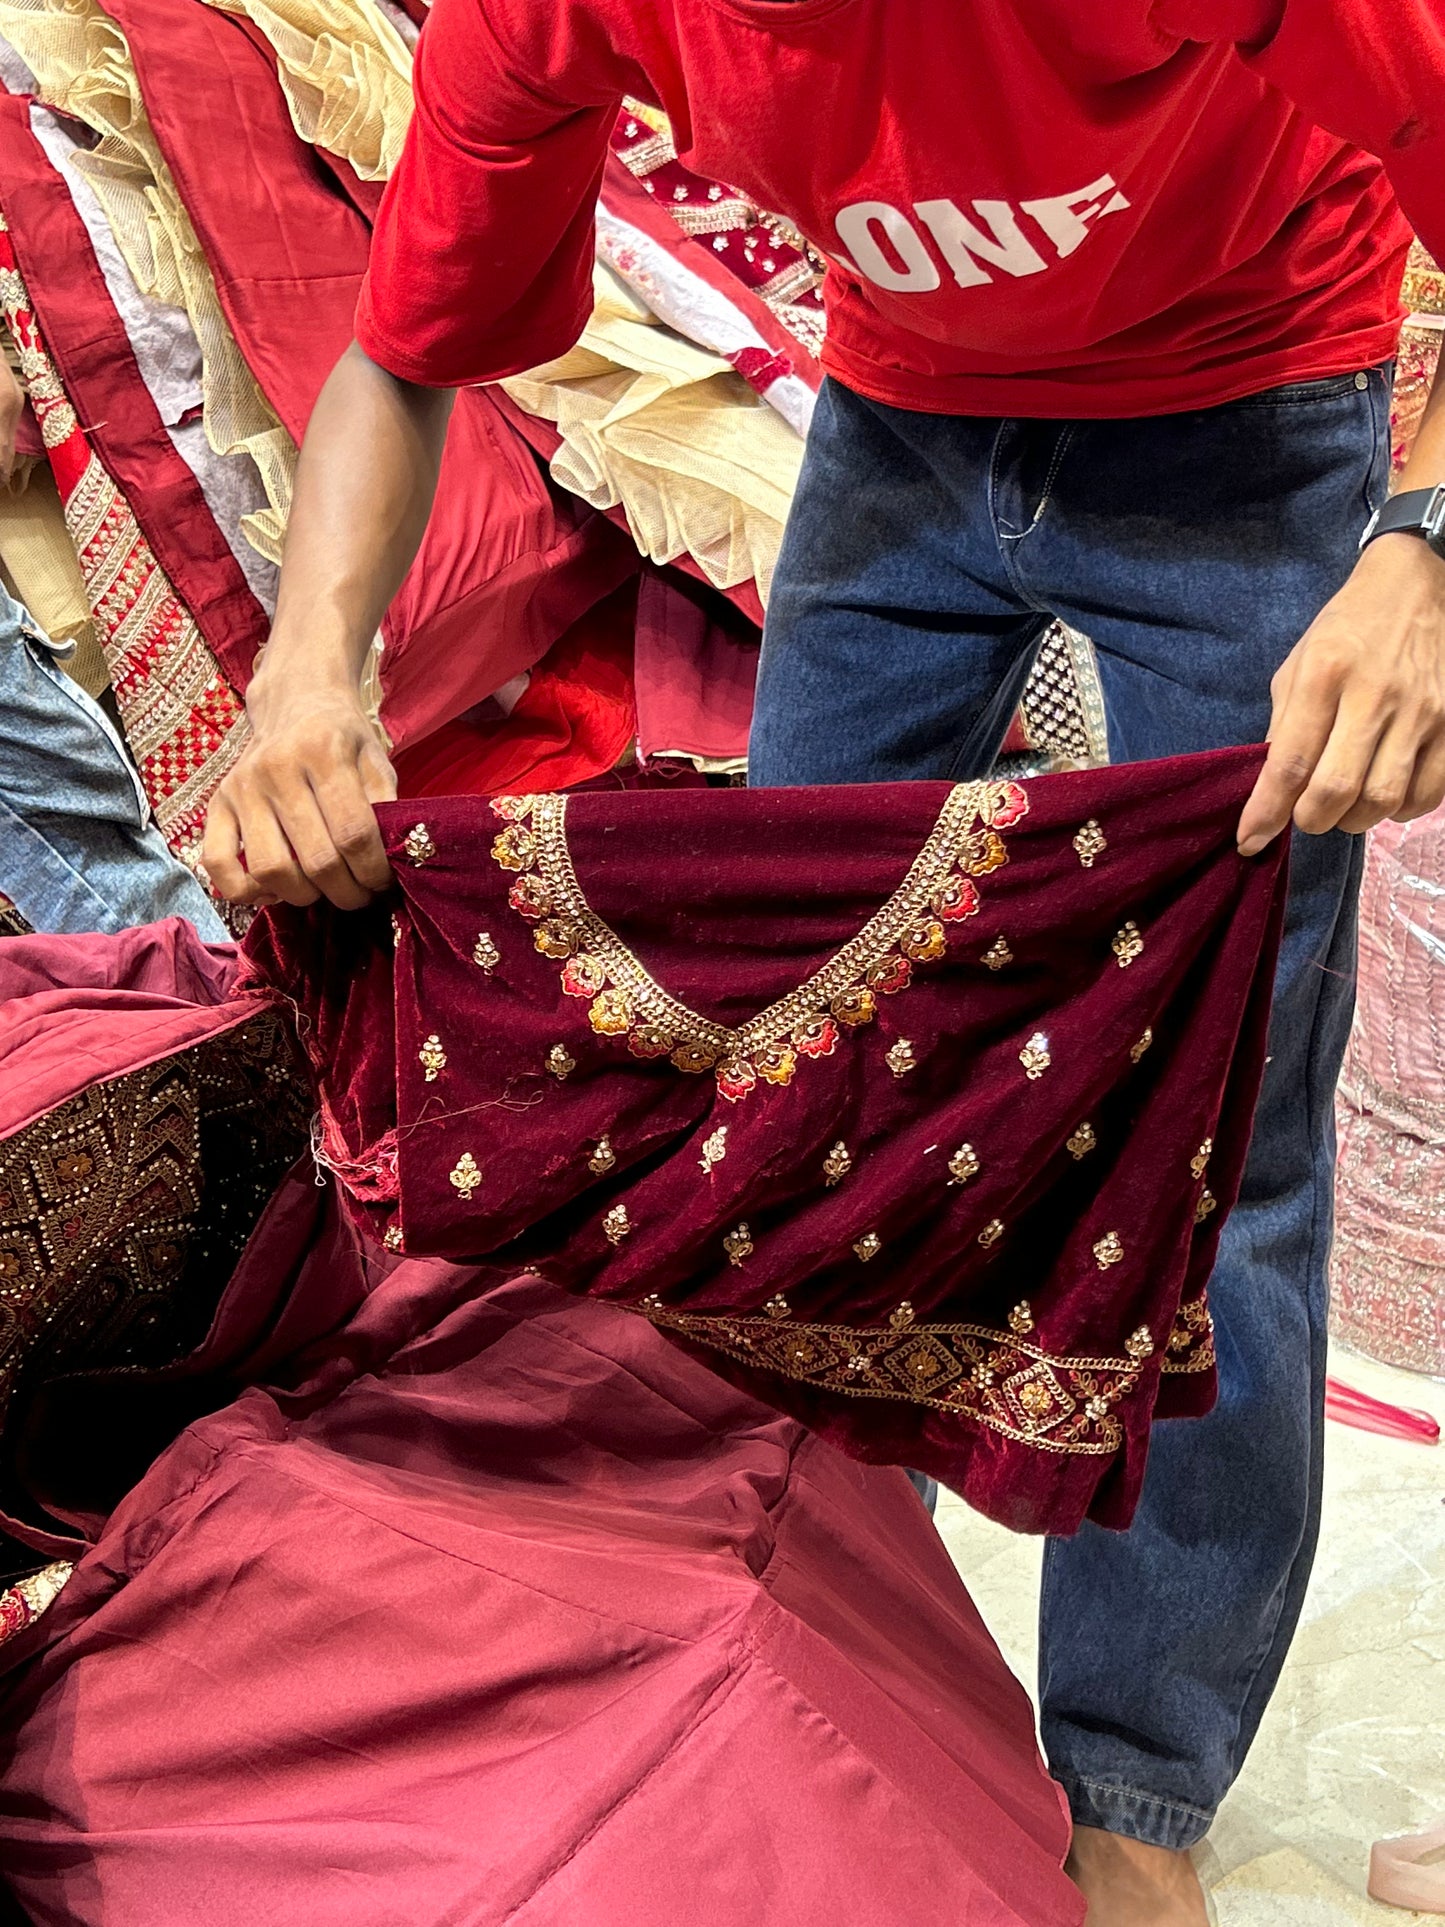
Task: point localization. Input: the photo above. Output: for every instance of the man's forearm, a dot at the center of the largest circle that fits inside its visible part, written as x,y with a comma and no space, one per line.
364,489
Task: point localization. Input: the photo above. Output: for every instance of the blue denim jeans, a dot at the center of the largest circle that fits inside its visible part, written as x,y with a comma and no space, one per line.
924,558
78,850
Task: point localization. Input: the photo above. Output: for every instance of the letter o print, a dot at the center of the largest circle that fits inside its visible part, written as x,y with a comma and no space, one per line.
855,224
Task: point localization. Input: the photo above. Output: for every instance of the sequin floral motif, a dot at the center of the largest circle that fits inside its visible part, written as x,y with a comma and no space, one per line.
466,1175
912,931
997,1379
1090,844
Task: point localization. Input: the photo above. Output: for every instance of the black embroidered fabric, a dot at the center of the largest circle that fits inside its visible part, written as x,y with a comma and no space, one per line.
123,1212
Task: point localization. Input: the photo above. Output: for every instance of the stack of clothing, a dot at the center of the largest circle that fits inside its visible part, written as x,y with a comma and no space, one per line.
593,583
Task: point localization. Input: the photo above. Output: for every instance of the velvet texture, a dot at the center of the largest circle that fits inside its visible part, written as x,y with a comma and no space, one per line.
967,1192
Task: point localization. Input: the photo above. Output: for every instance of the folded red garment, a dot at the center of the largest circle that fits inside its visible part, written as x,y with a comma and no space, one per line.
917,1109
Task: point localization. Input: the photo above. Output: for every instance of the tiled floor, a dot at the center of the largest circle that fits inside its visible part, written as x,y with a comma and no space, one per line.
1354,1744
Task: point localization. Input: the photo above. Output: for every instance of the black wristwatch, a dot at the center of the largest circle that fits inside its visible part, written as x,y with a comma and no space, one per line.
1419,511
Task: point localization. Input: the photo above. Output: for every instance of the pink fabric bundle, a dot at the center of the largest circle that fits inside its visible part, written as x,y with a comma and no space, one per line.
1389,1257
494,1608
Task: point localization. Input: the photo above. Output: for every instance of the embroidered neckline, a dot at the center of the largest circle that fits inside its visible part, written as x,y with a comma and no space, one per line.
626,1001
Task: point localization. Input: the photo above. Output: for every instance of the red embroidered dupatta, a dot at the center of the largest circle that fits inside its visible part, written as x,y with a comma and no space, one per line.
944,1177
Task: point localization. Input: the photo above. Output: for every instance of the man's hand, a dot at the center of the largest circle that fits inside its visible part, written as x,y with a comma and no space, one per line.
1358,730
298,805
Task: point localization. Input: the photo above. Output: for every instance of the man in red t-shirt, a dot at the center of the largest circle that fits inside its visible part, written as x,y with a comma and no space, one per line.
1111,298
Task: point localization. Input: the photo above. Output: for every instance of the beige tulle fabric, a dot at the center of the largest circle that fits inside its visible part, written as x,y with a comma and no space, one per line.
700,464
346,74
83,67
39,567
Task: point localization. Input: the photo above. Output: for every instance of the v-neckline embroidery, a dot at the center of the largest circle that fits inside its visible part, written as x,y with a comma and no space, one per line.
627,1001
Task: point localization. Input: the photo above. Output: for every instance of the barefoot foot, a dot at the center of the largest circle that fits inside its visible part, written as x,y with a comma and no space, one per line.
1130,1885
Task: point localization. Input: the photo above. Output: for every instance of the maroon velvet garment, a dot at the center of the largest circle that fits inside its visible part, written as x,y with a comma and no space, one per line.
916,1110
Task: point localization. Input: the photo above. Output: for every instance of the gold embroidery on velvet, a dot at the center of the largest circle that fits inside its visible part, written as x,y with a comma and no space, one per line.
1083,1141
466,1175
1191,1342
1199,1163
998,955
901,1058
963,1165
978,1373
738,1245
1035,1056
1128,945
1109,1250
910,929
868,1247
603,1159
1136,1051
1090,844
485,954
714,1150
617,1225
112,1248
432,1058
837,1164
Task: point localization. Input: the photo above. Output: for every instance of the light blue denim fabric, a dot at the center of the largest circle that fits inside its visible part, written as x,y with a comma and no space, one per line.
924,558
78,849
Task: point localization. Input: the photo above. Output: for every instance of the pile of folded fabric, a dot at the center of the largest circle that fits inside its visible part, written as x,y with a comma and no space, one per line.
591,589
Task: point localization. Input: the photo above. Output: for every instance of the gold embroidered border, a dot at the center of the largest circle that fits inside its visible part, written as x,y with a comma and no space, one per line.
910,928
977,1373
1191,1342
111,1231
22,1603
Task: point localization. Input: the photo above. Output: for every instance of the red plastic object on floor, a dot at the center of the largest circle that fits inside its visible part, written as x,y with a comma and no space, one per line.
1350,1407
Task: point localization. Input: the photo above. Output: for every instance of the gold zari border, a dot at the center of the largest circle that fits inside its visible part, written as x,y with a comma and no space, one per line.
977,1373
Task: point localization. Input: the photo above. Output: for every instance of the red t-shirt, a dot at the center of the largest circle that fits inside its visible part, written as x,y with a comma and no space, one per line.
1031,207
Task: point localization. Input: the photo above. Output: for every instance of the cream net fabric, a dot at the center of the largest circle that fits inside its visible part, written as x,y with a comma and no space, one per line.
346,74
699,464
83,67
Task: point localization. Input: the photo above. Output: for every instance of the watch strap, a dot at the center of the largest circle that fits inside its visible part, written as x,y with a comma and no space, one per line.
1417,511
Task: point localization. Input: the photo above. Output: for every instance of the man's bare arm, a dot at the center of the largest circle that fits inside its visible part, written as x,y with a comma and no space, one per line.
294,818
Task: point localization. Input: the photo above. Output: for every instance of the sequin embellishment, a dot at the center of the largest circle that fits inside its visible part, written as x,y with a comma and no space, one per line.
617,1225
603,1159
1136,1051
868,1247
466,1175
418,846
998,955
901,1059
432,1058
1109,1250
1128,945
560,1062
1035,1056
1083,1141
1199,1163
485,954
963,1165
991,1233
738,1245
837,1164
909,932
1090,844
714,1150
